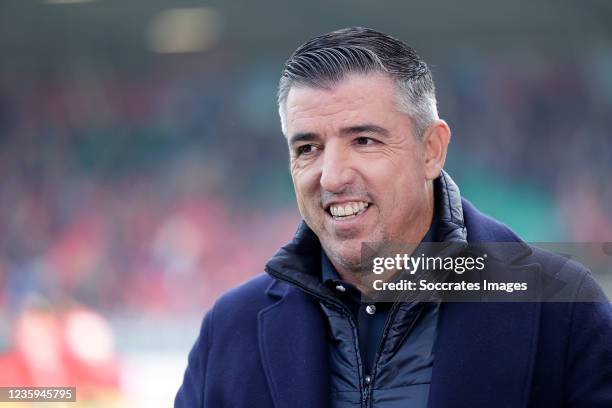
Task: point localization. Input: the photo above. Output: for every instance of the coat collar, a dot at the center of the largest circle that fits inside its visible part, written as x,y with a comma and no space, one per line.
493,237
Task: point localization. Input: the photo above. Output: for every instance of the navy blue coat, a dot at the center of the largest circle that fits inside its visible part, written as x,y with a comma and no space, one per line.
264,344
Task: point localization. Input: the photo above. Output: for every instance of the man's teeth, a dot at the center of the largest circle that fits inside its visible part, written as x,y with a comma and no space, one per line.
348,209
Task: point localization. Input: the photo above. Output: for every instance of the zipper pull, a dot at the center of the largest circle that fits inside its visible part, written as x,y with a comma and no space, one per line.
366,389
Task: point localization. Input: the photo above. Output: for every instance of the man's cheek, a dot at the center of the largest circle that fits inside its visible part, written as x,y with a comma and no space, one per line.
306,206
300,202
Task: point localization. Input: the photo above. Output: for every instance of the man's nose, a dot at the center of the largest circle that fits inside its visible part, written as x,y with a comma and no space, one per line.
337,171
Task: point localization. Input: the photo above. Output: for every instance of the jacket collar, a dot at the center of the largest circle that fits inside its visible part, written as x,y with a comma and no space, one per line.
449,210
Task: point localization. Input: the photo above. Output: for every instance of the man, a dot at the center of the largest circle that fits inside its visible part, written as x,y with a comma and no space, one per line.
367,148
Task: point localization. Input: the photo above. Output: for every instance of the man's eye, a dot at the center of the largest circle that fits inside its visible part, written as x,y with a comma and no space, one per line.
305,149
364,140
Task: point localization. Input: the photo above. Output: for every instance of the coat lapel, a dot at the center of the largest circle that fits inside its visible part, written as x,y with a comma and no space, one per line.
293,350
484,355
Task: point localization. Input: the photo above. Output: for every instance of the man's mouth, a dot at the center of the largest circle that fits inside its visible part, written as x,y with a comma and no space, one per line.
345,211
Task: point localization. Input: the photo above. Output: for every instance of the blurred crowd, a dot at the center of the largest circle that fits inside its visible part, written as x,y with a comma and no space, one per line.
154,192
542,124
116,196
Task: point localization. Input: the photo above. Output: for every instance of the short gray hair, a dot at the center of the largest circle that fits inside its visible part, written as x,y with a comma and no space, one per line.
326,59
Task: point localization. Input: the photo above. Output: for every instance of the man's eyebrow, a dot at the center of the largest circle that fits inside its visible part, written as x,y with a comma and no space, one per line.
350,130
365,128
302,137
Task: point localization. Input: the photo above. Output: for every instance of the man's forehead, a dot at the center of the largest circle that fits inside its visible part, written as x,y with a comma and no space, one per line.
354,93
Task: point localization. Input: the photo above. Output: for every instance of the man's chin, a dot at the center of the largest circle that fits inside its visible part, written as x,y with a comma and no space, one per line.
347,254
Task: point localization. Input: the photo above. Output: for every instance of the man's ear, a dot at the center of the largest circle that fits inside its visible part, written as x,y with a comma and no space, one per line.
435,143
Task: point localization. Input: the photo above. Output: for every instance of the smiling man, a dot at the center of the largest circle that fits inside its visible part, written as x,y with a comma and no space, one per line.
367,149
353,153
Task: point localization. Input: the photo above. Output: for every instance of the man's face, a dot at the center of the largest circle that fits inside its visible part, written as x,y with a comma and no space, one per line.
356,165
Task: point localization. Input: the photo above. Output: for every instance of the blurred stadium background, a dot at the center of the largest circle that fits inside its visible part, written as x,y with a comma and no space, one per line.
143,172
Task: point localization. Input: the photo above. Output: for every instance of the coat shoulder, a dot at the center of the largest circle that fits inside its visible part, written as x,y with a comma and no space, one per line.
559,269
570,275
